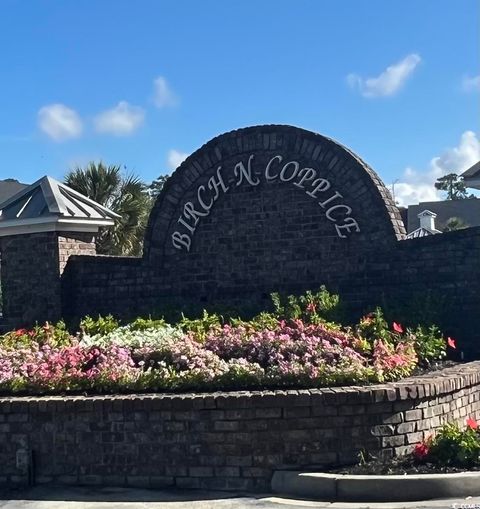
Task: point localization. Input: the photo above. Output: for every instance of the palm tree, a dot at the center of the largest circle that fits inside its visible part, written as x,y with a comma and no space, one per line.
124,194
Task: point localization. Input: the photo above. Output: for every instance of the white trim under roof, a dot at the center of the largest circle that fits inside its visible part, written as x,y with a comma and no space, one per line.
23,227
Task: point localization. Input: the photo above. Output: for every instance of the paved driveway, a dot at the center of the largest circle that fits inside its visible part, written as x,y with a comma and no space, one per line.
123,498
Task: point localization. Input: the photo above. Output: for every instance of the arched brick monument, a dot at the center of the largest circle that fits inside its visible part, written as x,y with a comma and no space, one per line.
267,207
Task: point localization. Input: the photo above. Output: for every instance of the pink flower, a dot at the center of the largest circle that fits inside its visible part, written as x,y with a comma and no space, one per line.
451,343
397,328
311,307
472,423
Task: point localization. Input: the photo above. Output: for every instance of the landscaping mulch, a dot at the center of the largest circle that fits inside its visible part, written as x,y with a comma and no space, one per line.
403,465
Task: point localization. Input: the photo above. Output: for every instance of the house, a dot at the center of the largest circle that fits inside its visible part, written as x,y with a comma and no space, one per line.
471,177
467,211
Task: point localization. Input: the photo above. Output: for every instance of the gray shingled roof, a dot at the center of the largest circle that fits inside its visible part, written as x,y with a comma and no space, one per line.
48,198
474,171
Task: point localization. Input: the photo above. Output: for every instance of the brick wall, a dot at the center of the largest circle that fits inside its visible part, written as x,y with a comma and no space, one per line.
233,240
445,268
102,284
231,441
74,244
439,273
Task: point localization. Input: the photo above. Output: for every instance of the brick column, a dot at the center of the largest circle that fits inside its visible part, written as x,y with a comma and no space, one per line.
31,269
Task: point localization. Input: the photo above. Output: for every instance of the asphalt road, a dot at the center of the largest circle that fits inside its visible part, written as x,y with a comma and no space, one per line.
124,498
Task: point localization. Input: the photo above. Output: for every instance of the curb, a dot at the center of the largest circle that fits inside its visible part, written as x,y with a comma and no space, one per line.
376,488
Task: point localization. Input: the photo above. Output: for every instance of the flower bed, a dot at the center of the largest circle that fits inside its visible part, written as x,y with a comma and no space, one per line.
451,449
294,346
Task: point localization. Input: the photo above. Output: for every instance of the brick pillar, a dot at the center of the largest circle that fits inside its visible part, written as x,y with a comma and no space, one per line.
31,268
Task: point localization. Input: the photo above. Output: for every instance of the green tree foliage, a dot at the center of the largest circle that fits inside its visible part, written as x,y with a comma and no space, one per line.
124,194
157,185
455,223
453,185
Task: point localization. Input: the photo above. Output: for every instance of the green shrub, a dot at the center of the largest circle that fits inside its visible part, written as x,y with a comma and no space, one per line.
101,325
262,321
373,326
429,343
311,307
199,327
452,446
141,324
55,335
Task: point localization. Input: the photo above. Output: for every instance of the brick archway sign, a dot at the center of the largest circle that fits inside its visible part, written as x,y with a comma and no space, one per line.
268,207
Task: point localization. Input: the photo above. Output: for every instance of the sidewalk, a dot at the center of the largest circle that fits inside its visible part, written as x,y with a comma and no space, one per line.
124,498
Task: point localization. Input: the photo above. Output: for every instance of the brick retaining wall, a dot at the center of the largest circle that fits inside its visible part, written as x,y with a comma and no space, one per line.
228,441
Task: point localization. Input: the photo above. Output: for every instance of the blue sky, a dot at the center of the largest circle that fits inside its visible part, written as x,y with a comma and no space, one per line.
144,83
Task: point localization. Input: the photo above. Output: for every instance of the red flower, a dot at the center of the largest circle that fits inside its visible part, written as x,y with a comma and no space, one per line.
311,307
20,332
397,328
420,451
451,343
472,423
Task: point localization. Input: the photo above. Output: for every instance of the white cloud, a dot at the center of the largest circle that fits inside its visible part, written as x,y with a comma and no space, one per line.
59,122
175,158
389,81
415,187
121,120
471,84
163,95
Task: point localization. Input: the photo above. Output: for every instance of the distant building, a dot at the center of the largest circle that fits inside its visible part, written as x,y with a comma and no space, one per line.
9,187
427,225
467,211
471,177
